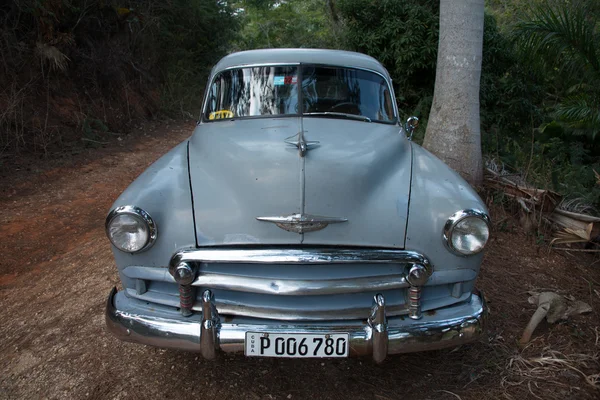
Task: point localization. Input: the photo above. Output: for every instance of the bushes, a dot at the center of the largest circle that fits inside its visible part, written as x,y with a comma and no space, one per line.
292,23
193,35
65,62
553,81
403,35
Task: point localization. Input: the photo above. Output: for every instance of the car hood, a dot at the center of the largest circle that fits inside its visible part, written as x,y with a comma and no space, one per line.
357,174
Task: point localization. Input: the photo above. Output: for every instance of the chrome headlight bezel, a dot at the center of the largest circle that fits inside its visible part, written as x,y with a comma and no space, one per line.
141,216
454,220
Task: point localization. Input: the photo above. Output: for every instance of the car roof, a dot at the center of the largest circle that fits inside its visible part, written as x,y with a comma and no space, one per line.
306,56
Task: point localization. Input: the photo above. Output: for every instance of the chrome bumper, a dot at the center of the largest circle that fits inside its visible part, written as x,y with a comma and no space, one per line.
376,336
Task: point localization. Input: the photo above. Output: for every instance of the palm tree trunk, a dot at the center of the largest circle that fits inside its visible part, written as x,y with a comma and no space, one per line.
453,130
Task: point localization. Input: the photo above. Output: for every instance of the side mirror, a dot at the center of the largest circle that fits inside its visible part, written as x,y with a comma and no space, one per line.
411,125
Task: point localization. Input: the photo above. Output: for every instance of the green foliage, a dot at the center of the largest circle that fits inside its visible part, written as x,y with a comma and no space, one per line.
403,35
562,37
68,62
510,94
505,12
93,132
192,36
581,112
561,42
290,23
539,94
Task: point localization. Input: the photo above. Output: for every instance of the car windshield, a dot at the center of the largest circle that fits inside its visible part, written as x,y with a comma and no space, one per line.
333,92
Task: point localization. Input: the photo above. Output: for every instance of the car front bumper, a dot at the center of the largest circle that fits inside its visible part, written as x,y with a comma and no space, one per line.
133,321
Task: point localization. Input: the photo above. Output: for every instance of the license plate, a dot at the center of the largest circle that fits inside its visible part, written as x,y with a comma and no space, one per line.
296,345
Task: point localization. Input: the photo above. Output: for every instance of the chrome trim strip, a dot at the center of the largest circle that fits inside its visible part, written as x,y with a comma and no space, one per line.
300,287
256,65
297,256
454,220
257,284
138,212
449,327
281,314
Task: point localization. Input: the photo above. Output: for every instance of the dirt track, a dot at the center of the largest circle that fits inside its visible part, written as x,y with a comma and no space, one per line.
56,271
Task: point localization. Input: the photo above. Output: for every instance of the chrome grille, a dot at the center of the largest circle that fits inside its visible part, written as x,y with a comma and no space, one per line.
284,292
301,284
303,291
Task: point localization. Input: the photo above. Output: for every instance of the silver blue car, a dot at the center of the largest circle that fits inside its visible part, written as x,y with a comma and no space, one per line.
298,220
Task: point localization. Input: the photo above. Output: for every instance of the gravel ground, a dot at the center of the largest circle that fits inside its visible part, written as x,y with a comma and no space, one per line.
56,271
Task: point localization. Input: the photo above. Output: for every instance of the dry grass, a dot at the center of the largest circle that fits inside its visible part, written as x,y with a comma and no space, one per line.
549,368
548,373
51,55
12,116
578,205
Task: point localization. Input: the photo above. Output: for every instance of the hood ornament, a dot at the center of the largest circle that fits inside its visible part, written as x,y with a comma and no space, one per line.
301,223
298,141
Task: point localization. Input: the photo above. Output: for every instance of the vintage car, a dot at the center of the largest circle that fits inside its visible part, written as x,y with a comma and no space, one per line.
298,220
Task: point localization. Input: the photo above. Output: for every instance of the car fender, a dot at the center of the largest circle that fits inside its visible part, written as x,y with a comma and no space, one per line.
163,191
437,192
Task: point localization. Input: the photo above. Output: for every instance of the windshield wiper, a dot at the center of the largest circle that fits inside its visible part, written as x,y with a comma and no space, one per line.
339,114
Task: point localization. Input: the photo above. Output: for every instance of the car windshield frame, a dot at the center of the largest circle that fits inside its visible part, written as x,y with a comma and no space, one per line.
300,69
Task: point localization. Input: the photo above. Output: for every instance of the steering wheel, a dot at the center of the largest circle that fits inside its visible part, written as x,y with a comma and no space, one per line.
345,104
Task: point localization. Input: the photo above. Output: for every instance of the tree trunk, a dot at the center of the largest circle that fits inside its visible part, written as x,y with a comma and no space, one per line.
453,130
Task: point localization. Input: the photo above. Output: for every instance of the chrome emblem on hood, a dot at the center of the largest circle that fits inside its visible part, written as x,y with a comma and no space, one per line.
299,142
301,223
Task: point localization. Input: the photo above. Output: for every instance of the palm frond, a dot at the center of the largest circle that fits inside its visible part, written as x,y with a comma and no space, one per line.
562,35
52,55
581,113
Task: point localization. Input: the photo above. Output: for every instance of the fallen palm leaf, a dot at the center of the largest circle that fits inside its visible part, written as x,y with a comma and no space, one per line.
545,200
52,55
569,235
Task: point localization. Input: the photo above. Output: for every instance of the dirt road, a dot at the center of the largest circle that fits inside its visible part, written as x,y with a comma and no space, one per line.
56,271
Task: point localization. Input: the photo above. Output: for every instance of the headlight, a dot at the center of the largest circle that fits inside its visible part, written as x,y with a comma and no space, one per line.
130,229
467,232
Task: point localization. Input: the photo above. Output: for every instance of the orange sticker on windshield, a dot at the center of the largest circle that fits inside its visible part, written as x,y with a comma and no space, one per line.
221,114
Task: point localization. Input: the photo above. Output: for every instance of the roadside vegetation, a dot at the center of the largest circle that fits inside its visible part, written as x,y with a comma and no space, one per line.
81,72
